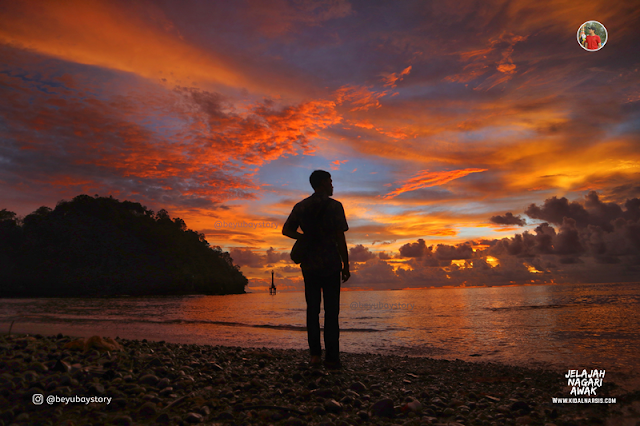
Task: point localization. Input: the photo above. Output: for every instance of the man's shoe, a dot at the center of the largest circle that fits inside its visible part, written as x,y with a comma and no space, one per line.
315,361
333,365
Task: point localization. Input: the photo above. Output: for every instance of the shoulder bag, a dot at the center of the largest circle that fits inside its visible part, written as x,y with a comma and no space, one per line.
302,246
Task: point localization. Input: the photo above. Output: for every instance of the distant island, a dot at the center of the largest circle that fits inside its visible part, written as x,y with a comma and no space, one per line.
99,246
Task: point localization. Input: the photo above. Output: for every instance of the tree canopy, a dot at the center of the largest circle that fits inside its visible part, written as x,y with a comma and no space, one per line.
99,246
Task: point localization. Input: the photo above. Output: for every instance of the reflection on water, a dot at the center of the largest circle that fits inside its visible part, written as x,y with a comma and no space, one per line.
553,326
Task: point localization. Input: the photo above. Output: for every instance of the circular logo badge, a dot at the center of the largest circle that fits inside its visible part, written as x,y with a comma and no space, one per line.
592,36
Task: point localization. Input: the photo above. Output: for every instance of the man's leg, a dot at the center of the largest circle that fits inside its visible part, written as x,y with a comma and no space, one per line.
312,295
331,291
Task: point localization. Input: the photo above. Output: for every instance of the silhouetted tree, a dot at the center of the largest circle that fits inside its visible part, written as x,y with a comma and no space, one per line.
101,246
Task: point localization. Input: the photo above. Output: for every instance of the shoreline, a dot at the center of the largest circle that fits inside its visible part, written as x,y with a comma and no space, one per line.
625,377
113,296
159,382
264,289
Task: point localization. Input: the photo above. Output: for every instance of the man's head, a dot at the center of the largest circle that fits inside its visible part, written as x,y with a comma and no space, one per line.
592,30
321,182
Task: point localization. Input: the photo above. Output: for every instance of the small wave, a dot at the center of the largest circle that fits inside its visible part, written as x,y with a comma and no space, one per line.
527,307
300,328
77,320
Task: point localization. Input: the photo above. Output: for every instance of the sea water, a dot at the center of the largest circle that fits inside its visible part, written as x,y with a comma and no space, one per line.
560,326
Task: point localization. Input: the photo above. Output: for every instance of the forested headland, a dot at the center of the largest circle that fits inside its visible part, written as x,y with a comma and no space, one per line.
99,246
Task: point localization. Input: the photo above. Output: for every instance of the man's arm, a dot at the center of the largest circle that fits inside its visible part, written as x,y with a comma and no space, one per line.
344,254
290,227
291,233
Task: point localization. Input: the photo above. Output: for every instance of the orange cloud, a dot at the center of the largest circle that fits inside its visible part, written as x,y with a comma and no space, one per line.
391,79
484,59
360,97
427,179
276,18
335,165
125,37
363,124
506,68
202,153
394,134
470,72
264,134
193,149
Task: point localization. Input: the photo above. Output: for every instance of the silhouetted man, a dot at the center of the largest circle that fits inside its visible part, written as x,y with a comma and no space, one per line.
323,223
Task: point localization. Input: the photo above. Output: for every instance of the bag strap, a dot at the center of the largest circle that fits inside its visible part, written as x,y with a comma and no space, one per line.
322,210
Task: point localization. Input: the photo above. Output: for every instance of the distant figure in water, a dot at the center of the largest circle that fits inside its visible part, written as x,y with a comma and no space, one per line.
272,289
323,224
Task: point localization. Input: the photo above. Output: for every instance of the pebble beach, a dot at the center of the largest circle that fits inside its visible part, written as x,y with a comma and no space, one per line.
154,382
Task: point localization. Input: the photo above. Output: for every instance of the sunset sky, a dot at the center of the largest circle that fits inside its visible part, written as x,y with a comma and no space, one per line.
470,142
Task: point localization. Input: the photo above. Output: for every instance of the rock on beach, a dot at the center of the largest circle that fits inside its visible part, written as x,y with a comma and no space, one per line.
165,383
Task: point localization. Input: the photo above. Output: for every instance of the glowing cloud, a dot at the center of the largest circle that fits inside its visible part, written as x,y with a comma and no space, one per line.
220,110
361,98
335,165
391,79
426,179
98,33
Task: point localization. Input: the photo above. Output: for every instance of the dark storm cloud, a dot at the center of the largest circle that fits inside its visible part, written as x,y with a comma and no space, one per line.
246,257
624,192
374,273
289,269
253,259
568,239
417,249
434,256
274,256
508,219
632,207
447,252
601,214
555,210
595,229
384,255
603,247
360,253
521,245
592,212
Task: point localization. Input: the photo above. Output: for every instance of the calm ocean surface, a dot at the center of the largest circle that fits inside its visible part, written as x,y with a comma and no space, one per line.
571,326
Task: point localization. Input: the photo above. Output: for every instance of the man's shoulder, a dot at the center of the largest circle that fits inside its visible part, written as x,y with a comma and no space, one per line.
315,201
305,202
334,203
